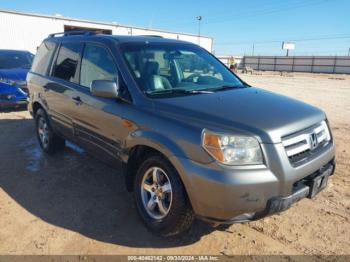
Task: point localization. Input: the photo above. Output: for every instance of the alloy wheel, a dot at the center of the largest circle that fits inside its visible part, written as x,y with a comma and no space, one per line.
43,131
156,193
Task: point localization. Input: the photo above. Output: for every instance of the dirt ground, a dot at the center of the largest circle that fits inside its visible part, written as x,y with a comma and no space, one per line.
74,204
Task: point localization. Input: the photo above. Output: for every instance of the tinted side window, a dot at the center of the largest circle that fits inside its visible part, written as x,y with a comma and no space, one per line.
67,61
97,64
43,57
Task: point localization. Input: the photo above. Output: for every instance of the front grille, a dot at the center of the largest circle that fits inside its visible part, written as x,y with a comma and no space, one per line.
302,145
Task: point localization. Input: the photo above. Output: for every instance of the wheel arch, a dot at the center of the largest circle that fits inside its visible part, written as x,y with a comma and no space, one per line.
36,106
147,144
136,155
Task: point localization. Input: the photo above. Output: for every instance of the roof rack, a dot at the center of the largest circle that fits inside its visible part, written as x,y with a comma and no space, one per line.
74,32
159,36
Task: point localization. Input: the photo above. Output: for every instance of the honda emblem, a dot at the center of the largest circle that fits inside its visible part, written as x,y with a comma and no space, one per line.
313,141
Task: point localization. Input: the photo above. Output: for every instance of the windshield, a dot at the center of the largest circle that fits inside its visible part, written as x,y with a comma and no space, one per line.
16,60
166,69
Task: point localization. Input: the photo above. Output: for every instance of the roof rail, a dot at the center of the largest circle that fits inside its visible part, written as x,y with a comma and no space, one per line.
159,36
74,32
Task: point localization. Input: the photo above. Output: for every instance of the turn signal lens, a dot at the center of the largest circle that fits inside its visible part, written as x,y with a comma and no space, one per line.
211,143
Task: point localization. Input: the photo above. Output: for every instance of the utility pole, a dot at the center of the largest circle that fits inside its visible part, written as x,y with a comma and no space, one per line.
253,51
349,52
199,18
287,52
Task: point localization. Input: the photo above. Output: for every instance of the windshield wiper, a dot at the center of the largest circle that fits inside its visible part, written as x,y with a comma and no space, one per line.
178,91
225,87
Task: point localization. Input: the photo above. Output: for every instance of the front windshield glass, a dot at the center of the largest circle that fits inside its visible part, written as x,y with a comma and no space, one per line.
15,60
166,69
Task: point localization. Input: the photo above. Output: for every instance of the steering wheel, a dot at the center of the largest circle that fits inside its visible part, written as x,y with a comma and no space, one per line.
191,77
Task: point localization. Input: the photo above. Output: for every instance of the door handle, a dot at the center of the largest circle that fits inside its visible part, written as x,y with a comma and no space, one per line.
77,100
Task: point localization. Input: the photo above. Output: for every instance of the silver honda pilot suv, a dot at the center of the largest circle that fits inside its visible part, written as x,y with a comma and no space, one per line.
193,139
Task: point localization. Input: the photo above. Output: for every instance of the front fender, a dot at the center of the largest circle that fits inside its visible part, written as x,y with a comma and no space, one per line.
153,139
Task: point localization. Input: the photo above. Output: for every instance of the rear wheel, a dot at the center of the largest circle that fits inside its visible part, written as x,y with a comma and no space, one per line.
161,198
48,140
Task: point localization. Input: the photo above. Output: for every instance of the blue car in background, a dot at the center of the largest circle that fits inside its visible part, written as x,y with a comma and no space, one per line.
14,66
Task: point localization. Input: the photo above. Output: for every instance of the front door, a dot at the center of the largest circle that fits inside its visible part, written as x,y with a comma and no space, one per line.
97,121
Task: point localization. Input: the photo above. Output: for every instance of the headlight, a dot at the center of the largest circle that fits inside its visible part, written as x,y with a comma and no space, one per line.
231,149
22,91
326,130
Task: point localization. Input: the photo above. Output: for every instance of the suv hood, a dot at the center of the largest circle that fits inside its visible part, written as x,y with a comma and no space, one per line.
252,111
14,74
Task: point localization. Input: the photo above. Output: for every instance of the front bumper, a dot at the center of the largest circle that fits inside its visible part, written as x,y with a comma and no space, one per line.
4,104
303,189
273,206
222,194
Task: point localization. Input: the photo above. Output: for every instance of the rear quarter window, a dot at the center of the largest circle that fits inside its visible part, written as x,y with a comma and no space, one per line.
43,58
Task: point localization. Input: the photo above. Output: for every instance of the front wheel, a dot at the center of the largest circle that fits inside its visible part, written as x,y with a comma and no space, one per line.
161,198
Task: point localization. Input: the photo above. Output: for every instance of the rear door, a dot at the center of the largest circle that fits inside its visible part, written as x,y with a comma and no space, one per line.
60,93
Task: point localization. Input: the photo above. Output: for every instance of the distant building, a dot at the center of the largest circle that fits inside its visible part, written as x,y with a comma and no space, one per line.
25,31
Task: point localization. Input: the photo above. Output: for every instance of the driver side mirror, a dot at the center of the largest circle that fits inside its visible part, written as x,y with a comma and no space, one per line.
105,88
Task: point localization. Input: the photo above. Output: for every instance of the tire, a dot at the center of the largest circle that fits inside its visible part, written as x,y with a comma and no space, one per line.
48,140
179,215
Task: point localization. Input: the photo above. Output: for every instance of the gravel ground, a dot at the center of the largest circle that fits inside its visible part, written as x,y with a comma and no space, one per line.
74,204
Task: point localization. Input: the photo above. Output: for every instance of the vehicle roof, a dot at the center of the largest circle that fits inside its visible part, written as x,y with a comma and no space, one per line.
11,51
117,38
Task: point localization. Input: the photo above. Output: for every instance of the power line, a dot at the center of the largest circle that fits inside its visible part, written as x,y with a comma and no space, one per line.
221,14
257,12
275,9
267,11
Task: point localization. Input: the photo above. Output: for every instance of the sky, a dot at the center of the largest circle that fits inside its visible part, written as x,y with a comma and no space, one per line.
317,27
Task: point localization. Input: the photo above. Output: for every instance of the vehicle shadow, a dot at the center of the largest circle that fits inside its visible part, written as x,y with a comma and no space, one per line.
72,190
